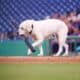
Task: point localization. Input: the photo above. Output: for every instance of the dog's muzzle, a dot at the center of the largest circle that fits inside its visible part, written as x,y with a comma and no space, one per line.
20,32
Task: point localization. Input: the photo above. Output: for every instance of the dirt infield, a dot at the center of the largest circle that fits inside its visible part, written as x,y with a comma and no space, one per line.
47,59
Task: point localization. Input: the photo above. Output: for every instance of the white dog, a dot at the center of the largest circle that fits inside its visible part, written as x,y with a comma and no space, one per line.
41,30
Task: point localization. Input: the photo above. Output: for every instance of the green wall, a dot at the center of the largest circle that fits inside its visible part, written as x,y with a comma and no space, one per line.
19,48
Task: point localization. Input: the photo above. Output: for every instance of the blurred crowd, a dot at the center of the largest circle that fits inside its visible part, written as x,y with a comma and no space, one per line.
72,19
10,34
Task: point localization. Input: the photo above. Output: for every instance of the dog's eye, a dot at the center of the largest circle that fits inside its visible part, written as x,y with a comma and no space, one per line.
22,28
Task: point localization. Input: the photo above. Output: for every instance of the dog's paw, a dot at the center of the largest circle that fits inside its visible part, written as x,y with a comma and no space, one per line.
55,55
65,54
29,52
40,55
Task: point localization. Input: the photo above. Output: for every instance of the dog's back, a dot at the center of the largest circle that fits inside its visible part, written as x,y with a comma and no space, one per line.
49,26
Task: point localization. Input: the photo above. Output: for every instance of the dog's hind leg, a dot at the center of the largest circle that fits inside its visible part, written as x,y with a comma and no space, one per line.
65,45
66,49
61,41
59,50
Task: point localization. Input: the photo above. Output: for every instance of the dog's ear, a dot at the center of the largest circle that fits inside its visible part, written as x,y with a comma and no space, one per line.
29,28
29,25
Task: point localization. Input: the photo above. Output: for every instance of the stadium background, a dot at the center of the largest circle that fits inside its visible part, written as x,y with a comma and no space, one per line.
14,65
13,12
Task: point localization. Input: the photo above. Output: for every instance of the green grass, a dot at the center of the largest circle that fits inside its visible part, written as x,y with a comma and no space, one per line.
39,71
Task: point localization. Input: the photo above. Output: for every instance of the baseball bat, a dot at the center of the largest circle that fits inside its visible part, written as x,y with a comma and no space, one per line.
29,44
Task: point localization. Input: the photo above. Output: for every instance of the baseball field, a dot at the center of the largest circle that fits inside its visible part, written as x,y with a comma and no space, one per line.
40,68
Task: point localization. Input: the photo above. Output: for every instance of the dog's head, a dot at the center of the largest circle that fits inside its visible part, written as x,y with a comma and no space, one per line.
25,27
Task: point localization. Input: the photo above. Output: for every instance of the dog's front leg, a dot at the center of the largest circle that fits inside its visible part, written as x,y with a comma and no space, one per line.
41,51
38,43
35,44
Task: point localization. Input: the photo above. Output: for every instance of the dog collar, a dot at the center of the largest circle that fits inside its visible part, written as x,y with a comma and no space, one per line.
31,30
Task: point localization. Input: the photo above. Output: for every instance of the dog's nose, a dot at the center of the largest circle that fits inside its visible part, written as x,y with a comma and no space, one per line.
22,36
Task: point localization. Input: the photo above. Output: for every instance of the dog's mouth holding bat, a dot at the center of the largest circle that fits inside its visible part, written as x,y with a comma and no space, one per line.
25,34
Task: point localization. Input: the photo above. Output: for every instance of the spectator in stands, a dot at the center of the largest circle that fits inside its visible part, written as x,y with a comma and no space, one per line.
74,21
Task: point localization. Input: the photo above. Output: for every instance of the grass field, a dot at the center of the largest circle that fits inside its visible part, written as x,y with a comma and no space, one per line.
23,71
